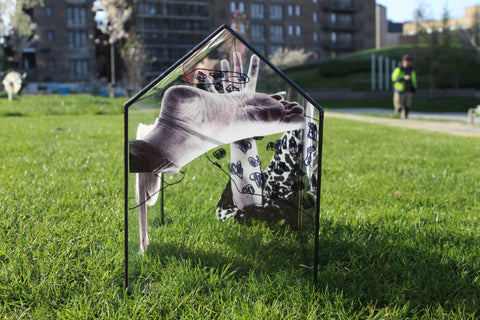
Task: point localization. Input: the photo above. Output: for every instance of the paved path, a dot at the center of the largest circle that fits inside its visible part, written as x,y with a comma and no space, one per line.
455,123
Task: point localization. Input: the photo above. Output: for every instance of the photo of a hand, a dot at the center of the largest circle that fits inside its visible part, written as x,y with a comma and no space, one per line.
193,121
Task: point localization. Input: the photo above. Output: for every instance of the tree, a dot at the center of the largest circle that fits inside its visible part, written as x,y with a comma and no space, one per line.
287,58
472,34
21,33
7,7
452,63
135,59
117,13
428,34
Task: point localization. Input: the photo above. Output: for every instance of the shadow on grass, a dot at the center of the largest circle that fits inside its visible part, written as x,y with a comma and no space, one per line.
206,259
369,265
245,252
420,268
13,114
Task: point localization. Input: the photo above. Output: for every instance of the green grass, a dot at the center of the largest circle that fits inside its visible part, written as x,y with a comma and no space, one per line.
73,104
352,72
398,237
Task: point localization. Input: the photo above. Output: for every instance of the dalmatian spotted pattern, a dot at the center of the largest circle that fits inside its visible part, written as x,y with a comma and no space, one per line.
283,173
280,183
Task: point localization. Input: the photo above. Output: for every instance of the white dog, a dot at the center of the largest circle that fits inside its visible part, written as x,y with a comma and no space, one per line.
13,83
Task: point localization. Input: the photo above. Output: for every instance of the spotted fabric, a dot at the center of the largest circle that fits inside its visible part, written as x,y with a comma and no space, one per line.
289,172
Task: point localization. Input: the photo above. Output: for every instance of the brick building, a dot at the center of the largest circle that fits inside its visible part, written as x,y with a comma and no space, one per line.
66,51
65,48
327,28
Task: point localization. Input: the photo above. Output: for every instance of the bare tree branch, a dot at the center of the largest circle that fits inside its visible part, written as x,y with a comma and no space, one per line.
117,13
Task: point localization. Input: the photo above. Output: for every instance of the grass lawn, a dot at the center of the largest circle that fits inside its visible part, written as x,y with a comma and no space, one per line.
399,228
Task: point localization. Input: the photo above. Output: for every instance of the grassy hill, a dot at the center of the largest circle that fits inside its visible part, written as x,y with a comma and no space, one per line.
459,68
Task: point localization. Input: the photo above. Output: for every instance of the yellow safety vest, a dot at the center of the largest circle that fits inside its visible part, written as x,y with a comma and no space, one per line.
399,83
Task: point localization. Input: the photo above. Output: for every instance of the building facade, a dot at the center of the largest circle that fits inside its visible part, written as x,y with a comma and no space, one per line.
472,16
170,29
65,48
388,33
327,28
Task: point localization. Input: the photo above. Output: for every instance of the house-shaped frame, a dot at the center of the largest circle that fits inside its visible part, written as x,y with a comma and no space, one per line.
254,126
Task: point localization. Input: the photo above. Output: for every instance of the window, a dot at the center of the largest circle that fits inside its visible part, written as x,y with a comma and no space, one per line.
51,65
315,36
258,32
76,16
152,9
258,11
77,39
276,32
290,10
315,17
50,35
290,30
276,12
241,28
241,7
49,11
78,68
234,8
298,11
298,30
147,8
345,38
345,19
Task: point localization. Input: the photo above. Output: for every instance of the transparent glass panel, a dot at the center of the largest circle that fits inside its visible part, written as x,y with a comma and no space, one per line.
226,126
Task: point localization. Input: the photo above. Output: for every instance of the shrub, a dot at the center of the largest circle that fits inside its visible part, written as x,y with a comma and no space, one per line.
336,68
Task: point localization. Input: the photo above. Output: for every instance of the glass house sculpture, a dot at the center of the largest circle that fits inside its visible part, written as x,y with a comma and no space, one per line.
226,118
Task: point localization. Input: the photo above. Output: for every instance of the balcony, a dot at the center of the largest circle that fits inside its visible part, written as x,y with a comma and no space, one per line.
174,10
341,6
342,26
161,16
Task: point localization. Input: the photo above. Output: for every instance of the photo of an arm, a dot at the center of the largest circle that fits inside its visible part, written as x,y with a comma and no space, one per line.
193,121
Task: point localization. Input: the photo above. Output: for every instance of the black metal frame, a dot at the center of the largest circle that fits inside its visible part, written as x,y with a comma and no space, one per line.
285,78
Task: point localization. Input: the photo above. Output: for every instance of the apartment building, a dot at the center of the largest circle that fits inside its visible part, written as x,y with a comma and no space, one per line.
328,28
171,28
472,15
64,49
388,33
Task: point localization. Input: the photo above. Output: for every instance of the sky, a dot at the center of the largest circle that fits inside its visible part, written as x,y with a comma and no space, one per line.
403,10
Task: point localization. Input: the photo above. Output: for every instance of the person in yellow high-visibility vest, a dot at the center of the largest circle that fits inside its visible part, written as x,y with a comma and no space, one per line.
404,84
